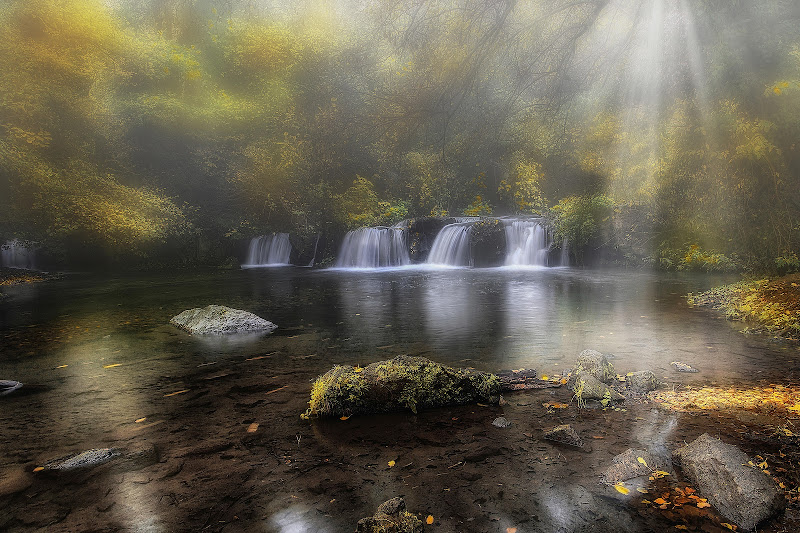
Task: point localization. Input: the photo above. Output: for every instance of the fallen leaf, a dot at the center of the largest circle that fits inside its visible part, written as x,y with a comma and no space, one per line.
642,490
429,520
660,501
276,390
252,428
619,487
176,393
681,526
62,366
38,469
544,377
140,420
344,418
703,505
112,366
729,526
597,437
641,460
391,464
511,530
358,369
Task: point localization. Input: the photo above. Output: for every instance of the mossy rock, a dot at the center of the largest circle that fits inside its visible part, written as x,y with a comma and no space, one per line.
587,387
398,384
391,517
642,381
595,363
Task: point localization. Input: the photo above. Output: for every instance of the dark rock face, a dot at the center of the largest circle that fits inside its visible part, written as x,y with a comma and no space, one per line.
421,232
631,464
306,249
391,517
740,492
488,243
220,320
595,363
642,381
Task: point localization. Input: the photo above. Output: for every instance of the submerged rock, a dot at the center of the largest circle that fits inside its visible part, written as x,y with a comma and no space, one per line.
722,473
683,367
631,464
391,517
8,386
87,459
596,364
565,434
587,387
401,383
501,422
642,381
220,320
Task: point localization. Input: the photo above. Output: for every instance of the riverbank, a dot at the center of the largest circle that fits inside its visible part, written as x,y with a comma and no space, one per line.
767,305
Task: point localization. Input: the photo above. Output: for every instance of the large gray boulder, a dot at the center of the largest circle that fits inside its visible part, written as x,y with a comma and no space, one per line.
595,363
587,387
723,473
220,320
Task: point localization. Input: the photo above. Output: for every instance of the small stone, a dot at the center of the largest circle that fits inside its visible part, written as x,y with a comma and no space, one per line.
630,464
501,422
723,473
683,367
565,434
7,386
642,381
87,459
595,363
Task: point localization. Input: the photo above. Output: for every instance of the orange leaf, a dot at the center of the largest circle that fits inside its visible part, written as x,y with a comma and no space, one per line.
252,428
344,418
38,469
660,501
511,530
429,520
176,393
140,420
703,505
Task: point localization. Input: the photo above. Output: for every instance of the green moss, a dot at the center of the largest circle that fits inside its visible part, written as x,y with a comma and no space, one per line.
398,384
769,305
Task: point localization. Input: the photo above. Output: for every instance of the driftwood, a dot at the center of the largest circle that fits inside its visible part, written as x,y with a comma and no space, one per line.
523,379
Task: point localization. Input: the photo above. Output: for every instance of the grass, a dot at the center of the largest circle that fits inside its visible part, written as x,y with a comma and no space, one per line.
768,305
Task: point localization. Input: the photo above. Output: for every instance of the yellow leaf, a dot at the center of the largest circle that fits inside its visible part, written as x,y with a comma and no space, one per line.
619,487
795,407
176,393
252,428
140,420
358,369
641,460
703,505
544,377
62,366
429,520
112,366
38,469
391,464
642,490
344,418
681,526
729,526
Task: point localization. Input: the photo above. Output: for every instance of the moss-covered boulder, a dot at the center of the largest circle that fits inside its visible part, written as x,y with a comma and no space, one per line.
587,387
391,517
488,243
595,363
398,384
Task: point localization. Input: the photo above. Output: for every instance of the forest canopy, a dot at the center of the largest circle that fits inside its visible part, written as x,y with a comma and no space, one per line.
666,130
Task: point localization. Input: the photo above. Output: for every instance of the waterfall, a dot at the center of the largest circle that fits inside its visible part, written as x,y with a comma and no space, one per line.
564,260
527,243
373,248
451,246
18,254
269,250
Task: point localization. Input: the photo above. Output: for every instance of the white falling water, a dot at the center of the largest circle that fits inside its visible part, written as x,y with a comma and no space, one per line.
527,243
564,253
17,254
269,250
373,248
452,246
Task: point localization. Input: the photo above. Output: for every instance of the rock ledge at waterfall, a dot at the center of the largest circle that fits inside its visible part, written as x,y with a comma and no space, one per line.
220,320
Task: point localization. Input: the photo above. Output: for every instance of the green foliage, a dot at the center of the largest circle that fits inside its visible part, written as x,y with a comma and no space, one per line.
579,220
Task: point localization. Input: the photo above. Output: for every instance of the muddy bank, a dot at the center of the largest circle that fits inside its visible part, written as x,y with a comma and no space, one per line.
234,455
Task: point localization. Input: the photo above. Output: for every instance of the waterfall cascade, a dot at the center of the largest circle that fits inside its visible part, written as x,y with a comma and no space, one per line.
528,243
17,254
373,248
452,246
267,250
